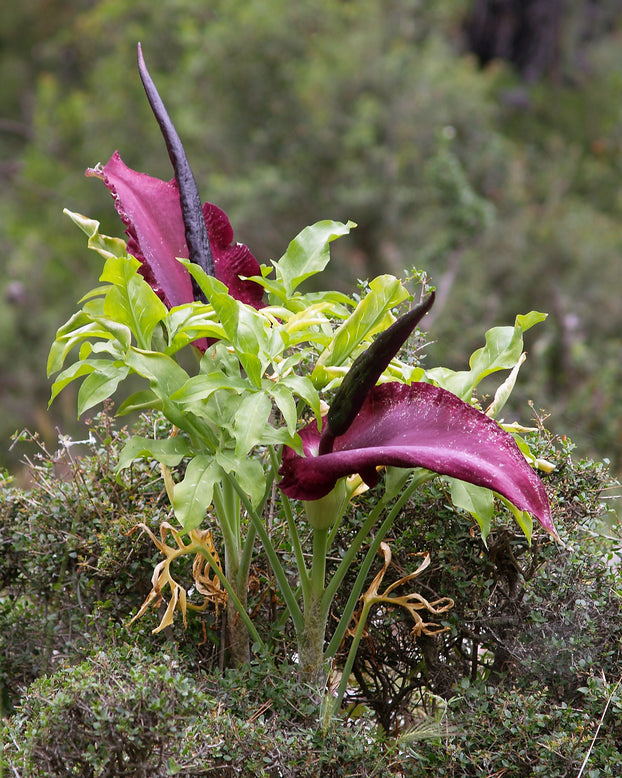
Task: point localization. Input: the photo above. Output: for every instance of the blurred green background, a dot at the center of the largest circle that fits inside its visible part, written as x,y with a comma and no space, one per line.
477,140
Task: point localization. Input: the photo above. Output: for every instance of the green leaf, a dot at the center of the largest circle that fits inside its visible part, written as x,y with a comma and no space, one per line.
275,289
524,521
251,423
162,372
310,325
395,479
221,357
371,315
405,373
476,500
140,401
248,472
244,327
96,292
340,303
190,322
308,253
523,518
504,346
285,402
193,495
216,415
165,377
302,386
79,328
526,321
101,383
201,387
117,270
115,331
107,247
251,343
295,360
169,451
505,390
131,301
502,351
77,370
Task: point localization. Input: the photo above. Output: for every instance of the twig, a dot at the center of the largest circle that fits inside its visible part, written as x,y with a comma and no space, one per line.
600,723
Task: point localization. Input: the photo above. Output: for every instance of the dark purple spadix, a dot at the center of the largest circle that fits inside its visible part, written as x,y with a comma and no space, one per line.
197,238
365,372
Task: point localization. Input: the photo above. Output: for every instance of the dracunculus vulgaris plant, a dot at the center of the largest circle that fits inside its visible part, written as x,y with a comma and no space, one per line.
250,433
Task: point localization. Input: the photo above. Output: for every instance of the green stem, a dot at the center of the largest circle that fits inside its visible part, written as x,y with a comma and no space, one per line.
228,523
294,535
280,575
199,431
318,564
251,533
347,668
354,548
247,552
338,520
418,478
237,566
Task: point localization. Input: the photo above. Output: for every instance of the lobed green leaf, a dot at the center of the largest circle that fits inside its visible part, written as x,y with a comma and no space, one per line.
77,370
476,500
244,327
107,247
371,315
187,323
247,471
80,327
502,351
143,400
101,383
202,387
193,495
163,373
251,422
169,452
131,301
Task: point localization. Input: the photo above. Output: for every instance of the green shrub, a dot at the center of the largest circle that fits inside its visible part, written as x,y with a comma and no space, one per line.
70,571
119,713
542,610
519,732
122,712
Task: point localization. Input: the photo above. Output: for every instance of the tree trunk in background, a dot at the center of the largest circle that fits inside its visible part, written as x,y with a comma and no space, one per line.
526,33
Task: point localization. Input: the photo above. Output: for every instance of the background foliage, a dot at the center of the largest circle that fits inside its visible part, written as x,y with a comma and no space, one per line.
501,182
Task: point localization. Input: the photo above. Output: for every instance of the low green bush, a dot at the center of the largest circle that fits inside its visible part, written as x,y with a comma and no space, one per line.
71,570
532,655
519,732
122,712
